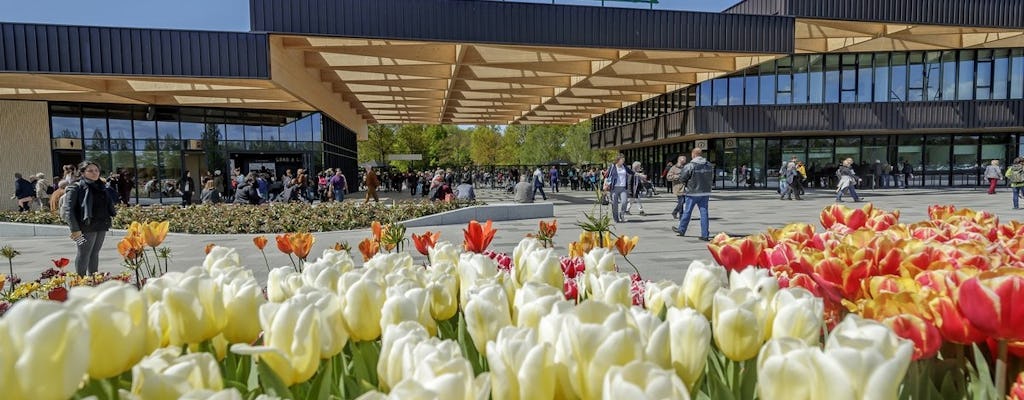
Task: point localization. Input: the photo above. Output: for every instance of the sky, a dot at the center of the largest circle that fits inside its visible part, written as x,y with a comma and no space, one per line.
219,15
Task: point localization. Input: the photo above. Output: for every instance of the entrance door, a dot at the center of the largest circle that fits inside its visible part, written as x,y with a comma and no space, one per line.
62,158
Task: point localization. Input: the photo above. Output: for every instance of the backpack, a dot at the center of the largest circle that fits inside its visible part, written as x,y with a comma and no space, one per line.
1016,174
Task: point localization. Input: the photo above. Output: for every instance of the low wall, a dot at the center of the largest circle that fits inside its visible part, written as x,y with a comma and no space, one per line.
493,212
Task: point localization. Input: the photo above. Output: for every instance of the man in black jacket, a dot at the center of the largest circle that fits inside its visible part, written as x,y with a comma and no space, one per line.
24,192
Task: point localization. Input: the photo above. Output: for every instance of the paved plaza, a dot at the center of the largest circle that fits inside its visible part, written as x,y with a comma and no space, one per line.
660,254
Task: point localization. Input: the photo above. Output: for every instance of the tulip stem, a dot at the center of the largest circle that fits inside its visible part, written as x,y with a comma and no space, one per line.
265,260
1001,368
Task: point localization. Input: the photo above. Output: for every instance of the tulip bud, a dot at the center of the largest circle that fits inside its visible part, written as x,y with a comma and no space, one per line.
193,305
991,301
700,284
396,359
519,254
738,323
535,300
165,374
592,340
689,343
541,266
441,367
643,380
654,335
44,350
797,314
282,283
600,260
610,287
520,366
444,252
486,313
443,288
863,358
362,299
242,300
474,268
118,324
786,370
291,339
661,295
407,305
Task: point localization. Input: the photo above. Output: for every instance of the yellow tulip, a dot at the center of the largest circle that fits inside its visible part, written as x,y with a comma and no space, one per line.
520,366
797,314
118,323
44,350
738,323
443,287
407,304
654,336
486,312
700,284
362,298
333,333
166,375
690,343
154,233
193,305
473,270
863,359
641,380
662,294
786,370
291,340
610,287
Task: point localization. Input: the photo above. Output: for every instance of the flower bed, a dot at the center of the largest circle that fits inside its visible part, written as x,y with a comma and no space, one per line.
275,217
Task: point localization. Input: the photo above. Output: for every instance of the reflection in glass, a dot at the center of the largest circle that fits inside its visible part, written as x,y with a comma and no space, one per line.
66,127
168,130
948,75
937,160
148,168
983,77
965,79
735,98
898,69
933,75
816,78
100,157
192,130
1017,74
120,129
915,82
800,70
304,126
864,81
832,78
1000,74
750,96
95,128
881,77
767,89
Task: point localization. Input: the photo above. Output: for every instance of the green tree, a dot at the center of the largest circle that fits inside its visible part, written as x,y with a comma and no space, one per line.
212,148
485,145
380,142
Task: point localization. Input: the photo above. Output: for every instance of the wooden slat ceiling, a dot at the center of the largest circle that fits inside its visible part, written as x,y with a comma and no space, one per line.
395,81
820,36
196,92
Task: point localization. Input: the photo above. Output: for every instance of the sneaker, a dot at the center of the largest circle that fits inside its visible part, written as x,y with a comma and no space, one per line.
681,234
675,229
705,238
642,213
675,215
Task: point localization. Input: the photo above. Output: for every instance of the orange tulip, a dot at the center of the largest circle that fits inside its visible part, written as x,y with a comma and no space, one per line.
951,322
941,212
338,246
424,242
1011,230
577,249
135,228
369,248
127,248
625,244
994,302
377,231
478,237
210,247
284,244
923,333
155,232
60,263
548,229
260,242
735,254
301,244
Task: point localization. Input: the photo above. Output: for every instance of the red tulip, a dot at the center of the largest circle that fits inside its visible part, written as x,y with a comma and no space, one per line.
952,323
883,220
570,289
478,237
994,302
424,242
735,254
941,212
852,218
61,262
923,333
58,294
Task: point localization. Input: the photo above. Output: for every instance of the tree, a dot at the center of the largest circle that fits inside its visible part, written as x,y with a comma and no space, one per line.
485,145
211,145
380,142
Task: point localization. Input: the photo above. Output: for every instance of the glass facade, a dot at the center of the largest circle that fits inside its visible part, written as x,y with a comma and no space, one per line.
985,74
156,145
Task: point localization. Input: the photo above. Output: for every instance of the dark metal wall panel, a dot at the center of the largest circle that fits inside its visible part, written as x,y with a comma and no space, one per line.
760,7
989,13
340,150
38,48
482,21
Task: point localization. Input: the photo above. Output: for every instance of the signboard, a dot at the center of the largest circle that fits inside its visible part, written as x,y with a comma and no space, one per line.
730,143
701,144
405,157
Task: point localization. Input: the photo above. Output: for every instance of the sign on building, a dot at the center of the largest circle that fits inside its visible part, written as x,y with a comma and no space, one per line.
701,144
405,157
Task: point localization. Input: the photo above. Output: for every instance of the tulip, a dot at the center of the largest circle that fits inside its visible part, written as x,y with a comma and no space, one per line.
407,305
786,370
520,366
389,262
396,360
154,233
443,289
643,380
260,242
291,340
548,229
738,323
206,394
60,263
474,268
441,367
282,283
525,247
478,237
192,303
44,350
242,300
758,280
424,242
1017,391
534,301
600,260
541,266
361,302
301,243
332,328
130,247
863,359
486,312
284,244
166,375
852,218
735,253
923,333
797,314
661,295
994,302
952,323
590,341
701,283
325,272
444,252
221,258
610,287
118,324
626,244
690,343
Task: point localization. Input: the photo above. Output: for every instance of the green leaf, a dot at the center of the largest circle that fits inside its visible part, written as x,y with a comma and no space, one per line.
271,383
981,384
321,387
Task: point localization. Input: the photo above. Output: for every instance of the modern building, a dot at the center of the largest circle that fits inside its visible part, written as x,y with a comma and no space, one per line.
937,83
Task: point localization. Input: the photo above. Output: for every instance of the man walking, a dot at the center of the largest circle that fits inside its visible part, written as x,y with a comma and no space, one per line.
848,180
339,186
553,176
372,182
673,175
538,183
696,177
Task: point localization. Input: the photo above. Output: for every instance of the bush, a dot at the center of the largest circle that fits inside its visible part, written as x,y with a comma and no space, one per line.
272,218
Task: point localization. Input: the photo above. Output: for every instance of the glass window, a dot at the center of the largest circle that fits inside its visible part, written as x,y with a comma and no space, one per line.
800,70
881,77
253,133
234,132
965,160
816,79
832,78
983,76
144,129
767,89
864,81
848,79
704,93
192,130
271,133
948,75
937,160
735,94
168,130
819,154
149,166
965,78
120,129
750,85
304,128
1000,74
1017,74
915,82
898,71
318,124
288,130
66,127
100,157
933,75
848,147
95,128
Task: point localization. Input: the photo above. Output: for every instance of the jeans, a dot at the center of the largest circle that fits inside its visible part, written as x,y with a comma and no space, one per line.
554,185
339,195
679,204
618,202
541,190
853,193
684,220
87,261
1017,192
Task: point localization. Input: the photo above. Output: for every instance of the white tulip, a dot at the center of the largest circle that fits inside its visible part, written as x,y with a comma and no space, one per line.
474,268
388,262
282,283
166,374
44,350
221,258
610,287
599,260
700,284
520,366
863,359
444,251
407,304
396,360
758,280
786,370
689,343
519,254
118,321
738,323
640,380
797,314
486,313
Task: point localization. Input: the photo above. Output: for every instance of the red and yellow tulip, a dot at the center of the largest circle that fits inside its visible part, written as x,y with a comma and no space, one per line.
736,254
260,242
994,302
626,244
425,241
